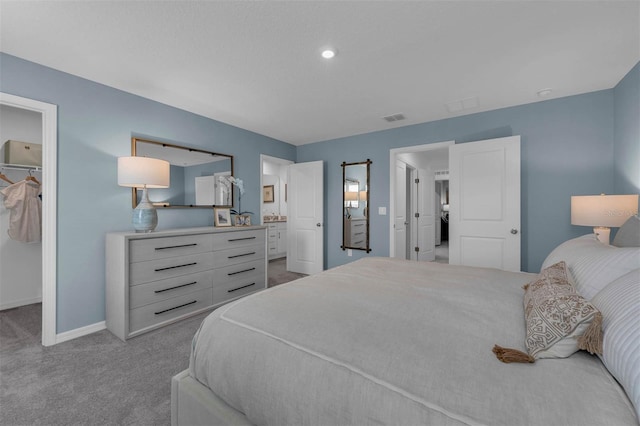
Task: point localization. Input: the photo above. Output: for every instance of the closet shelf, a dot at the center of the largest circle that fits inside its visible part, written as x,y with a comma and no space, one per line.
20,167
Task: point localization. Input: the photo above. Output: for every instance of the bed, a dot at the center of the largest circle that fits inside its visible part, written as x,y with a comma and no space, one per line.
388,341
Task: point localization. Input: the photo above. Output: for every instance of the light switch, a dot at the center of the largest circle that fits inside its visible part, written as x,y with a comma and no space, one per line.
382,211
349,252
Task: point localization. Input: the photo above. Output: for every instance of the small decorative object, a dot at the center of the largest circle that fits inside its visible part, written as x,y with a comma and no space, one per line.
240,185
267,193
222,216
243,220
144,172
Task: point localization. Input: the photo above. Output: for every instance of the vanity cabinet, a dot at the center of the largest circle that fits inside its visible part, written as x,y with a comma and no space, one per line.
154,279
355,232
277,240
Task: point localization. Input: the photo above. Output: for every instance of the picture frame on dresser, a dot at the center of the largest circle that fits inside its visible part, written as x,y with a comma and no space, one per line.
222,216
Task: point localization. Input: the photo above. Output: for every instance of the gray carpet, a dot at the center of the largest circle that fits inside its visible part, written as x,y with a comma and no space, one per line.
95,379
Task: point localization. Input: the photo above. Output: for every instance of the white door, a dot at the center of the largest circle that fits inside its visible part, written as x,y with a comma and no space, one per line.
400,219
305,233
484,216
426,216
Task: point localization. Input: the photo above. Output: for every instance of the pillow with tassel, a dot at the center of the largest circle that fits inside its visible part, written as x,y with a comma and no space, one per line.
559,320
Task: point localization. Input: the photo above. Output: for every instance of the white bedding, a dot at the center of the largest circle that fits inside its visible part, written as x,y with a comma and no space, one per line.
385,341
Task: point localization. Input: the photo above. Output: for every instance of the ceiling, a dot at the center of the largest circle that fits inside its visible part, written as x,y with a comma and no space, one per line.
257,64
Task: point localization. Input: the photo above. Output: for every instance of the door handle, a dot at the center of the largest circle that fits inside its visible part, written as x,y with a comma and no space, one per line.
514,231
318,224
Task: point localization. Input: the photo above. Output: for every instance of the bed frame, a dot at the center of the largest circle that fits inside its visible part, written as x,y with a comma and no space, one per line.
192,403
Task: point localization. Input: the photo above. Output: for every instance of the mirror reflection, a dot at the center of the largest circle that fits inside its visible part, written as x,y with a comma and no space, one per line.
198,178
355,200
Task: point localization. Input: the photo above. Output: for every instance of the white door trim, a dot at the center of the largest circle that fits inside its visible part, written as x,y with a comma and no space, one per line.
392,180
49,207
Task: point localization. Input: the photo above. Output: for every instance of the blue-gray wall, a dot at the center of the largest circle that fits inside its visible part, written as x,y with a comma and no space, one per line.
95,125
567,149
626,154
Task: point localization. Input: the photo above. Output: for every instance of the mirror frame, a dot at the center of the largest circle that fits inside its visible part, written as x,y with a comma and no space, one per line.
344,165
134,191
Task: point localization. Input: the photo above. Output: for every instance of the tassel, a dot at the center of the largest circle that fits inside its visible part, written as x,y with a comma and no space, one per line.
507,355
525,287
591,340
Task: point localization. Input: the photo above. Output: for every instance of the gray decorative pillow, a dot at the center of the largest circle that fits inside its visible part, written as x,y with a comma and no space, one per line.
557,316
629,233
559,321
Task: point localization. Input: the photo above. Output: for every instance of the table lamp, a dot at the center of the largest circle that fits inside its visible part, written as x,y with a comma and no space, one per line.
603,212
143,172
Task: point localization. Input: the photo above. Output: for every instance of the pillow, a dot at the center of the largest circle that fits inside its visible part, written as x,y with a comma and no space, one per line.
629,233
592,264
594,271
559,321
619,303
573,249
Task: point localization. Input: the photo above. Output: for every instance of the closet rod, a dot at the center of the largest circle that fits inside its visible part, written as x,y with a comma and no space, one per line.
20,167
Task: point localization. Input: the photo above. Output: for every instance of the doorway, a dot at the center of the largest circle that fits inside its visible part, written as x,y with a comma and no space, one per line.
49,129
416,183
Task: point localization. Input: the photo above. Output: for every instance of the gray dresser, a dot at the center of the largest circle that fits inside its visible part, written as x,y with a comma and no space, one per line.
158,278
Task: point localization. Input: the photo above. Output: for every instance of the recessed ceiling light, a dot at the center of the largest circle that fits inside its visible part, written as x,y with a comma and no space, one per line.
544,92
329,53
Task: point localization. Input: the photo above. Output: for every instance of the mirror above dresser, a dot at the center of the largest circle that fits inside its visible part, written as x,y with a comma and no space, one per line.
199,178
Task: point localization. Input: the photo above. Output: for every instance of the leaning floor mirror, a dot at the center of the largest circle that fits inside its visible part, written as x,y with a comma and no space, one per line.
355,206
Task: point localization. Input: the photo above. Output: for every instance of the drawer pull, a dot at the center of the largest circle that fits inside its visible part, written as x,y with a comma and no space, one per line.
240,288
172,247
177,307
173,288
242,239
239,272
240,255
174,267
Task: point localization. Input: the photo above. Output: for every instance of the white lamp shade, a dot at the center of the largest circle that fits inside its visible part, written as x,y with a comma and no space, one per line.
603,210
351,196
363,195
143,171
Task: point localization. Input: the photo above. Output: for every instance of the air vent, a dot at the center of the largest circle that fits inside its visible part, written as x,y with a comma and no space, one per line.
394,117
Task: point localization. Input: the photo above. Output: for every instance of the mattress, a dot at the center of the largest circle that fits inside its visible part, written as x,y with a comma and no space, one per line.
387,341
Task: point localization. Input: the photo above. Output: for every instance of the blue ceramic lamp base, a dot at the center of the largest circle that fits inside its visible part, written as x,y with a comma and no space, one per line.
145,216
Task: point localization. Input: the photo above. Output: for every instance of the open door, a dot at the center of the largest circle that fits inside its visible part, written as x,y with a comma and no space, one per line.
484,216
400,208
425,188
305,234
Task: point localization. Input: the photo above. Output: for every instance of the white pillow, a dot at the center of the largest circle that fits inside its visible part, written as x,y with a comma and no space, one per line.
629,233
573,249
592,264
593,271
619,303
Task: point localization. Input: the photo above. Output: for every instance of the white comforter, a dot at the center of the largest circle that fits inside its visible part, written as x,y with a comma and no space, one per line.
385,341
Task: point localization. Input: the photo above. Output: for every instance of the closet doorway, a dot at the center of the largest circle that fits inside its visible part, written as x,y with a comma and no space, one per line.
46,114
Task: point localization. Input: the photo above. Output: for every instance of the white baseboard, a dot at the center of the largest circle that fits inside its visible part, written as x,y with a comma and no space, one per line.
23,302
79,332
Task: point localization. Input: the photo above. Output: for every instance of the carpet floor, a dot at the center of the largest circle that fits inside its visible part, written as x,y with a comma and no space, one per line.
95,379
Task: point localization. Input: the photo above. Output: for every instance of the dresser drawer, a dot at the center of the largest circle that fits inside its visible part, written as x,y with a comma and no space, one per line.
233,273
227,240
149,315
238,255
158,291
238,286
165,247
153,270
